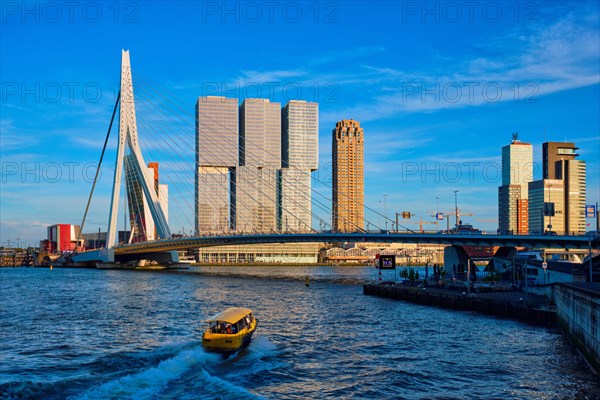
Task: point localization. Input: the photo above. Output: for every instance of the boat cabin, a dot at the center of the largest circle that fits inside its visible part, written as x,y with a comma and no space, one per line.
231,321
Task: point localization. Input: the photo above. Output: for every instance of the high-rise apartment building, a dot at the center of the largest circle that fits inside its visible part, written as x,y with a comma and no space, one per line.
259,165
348,176
299,150
517,172
217,154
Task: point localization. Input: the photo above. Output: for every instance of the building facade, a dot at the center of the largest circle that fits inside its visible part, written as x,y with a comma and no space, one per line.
573,174
217,153
553,152
559,162
517,172
348,197
546,206
299,151
256,194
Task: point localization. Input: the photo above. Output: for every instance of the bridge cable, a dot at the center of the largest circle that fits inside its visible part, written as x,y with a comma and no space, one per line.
314,200
310,177
98,169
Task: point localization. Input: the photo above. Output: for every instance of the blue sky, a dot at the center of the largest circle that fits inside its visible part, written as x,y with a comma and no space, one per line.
439,88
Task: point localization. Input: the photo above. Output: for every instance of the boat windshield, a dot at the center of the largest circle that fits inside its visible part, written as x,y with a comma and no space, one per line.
229,328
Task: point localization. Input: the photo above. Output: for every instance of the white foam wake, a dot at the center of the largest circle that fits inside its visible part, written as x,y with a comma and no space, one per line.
150,382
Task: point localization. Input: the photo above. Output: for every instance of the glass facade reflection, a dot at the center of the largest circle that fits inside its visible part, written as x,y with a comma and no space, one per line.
300,150
216,160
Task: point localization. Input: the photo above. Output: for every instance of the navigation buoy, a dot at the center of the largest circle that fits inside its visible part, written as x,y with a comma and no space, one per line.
306,281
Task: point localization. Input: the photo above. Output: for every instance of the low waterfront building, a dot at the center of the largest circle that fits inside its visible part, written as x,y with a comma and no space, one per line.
60,238
556,272
271,253
406,254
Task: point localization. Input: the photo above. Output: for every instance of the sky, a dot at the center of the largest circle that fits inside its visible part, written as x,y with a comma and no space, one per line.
439,88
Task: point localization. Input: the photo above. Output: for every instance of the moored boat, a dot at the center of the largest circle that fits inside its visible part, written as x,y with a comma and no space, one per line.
229,330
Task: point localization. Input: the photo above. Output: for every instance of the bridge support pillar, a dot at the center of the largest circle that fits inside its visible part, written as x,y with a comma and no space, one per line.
162,259
456,261
503,259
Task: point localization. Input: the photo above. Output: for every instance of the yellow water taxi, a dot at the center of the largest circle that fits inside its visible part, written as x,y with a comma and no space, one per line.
230,330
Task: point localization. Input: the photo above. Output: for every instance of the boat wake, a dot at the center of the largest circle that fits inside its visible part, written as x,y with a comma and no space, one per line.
187,364
149,382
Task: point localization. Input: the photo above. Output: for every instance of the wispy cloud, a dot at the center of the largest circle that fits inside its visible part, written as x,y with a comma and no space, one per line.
526,65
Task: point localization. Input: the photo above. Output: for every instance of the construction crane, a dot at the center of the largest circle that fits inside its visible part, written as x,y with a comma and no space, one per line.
447,216
420,222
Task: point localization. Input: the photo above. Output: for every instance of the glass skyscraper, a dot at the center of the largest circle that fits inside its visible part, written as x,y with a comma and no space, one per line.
216,159
259,164
300,152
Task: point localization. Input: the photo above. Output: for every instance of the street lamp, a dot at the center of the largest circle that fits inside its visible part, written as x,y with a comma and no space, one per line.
385,211
379,216
437,213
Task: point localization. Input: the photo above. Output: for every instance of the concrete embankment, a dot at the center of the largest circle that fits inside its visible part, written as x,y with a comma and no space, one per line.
502,304
577,306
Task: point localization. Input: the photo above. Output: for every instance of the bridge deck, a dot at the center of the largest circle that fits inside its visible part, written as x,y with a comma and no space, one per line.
571,242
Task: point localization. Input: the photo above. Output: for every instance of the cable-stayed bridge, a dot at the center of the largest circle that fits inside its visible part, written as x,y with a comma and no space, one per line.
173,140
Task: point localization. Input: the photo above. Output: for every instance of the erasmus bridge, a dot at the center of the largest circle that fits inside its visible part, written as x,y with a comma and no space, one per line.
131,166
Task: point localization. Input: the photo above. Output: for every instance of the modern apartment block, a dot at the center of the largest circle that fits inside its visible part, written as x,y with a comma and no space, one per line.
217,153
348,176
259,165
299,151
513,196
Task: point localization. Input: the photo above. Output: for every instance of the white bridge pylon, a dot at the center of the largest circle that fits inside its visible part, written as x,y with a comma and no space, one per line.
128,136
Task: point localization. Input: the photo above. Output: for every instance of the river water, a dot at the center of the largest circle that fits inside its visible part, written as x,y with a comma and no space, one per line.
86,334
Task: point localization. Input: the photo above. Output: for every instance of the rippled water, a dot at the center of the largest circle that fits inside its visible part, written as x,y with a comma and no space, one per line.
134,334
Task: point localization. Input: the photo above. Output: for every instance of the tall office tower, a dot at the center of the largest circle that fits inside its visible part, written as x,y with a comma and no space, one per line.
348,176
546,206
216,159
517,172
259,163
559,162
553,152
300,153
573,174
140,218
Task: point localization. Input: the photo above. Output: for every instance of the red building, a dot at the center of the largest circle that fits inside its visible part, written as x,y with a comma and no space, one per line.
61,237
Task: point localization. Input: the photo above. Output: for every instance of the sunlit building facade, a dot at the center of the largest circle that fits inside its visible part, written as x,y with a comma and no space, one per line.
348,176
259,164
559,162
513,202
546,206
299,150
217,152
573,174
